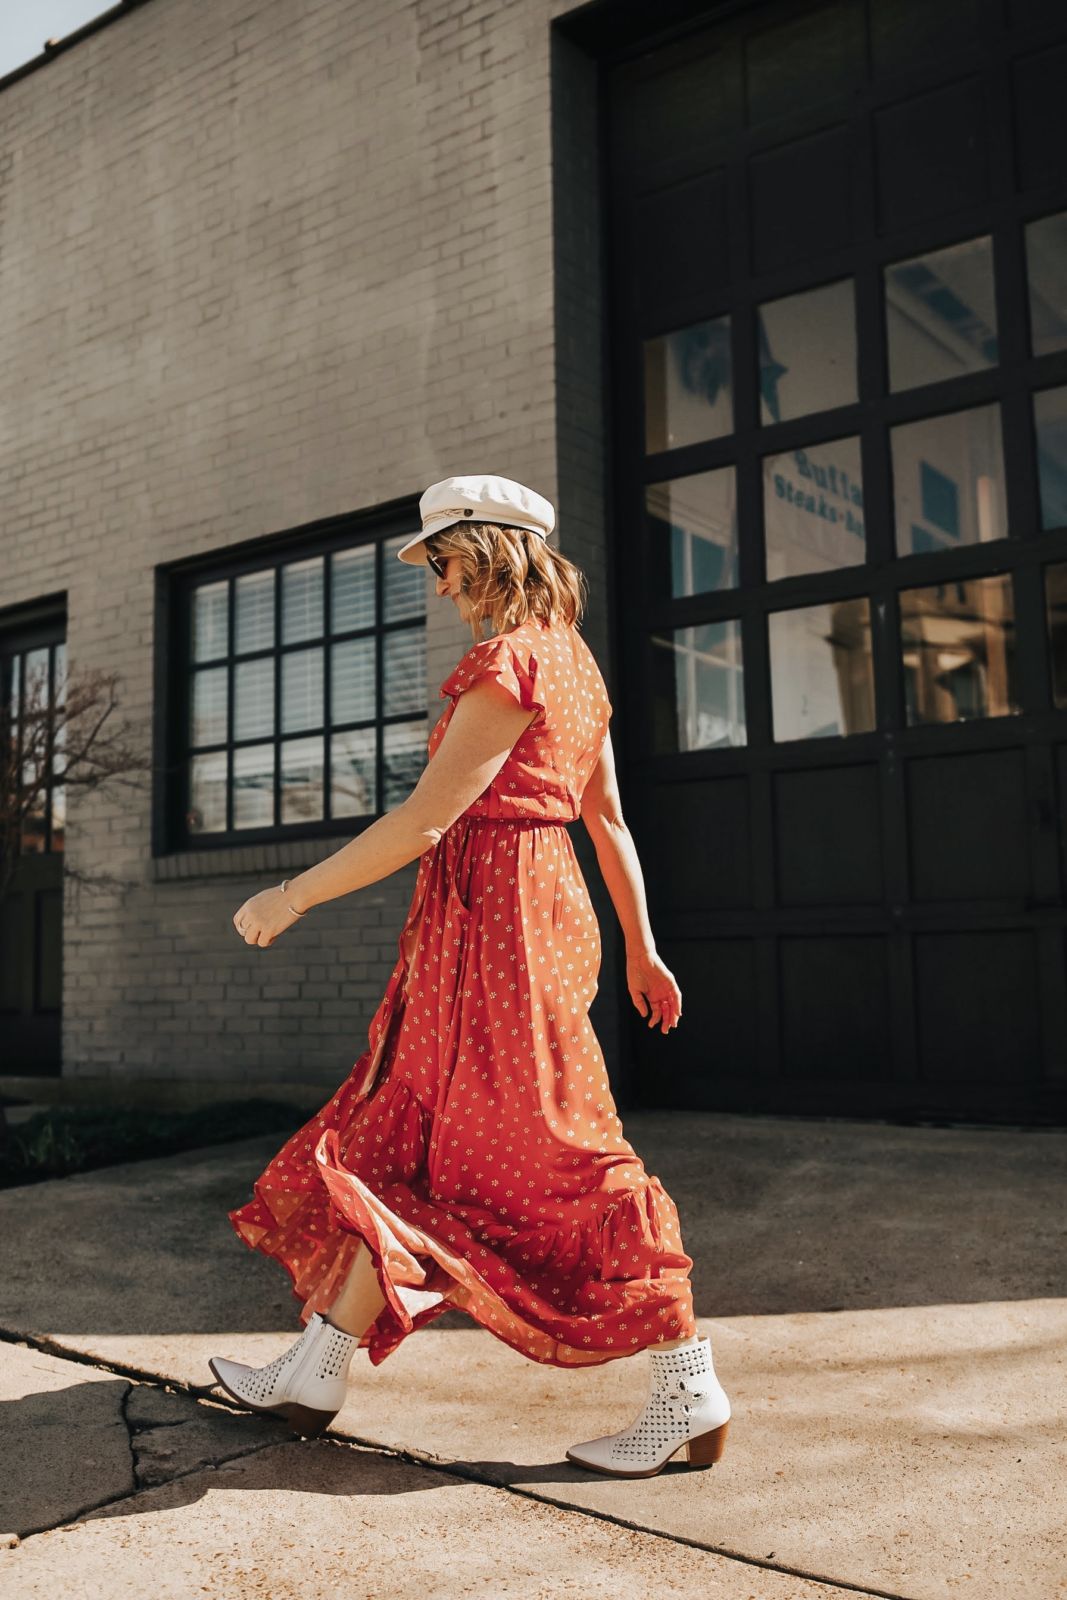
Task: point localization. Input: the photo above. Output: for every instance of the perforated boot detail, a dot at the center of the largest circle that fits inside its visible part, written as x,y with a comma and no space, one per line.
311,1376
685,1402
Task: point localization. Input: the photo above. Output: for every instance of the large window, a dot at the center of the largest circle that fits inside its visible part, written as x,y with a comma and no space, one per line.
303,691
946,488
32,720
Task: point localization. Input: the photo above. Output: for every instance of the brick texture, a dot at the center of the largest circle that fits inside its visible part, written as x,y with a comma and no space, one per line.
264,262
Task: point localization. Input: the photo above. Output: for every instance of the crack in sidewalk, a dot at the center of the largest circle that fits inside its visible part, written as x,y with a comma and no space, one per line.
202,1393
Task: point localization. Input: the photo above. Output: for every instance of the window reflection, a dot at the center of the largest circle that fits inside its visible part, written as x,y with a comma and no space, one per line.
352,767
403,673
958,650
940,314
210,621
32,718
807,352
1046,260
698,690
302,780
948,481
1050,426
207,793
302,690
254,611
253,786
352,687
404,586
688,386
253,699
403,758
813,508
302,600
692,533
822,673
208,713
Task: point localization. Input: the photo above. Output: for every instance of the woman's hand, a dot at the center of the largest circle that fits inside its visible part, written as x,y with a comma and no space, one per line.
263,917
646,976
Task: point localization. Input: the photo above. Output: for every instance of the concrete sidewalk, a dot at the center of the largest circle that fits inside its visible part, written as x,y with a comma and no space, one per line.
888,1310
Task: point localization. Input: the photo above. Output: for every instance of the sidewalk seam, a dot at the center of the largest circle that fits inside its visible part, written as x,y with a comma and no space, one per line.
201,1392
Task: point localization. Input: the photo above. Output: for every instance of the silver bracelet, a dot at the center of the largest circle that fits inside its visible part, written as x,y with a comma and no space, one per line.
283,887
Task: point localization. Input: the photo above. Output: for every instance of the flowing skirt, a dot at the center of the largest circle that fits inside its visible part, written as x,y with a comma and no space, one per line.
475,1147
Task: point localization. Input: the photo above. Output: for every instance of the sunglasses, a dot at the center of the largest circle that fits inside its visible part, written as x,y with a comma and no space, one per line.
435,564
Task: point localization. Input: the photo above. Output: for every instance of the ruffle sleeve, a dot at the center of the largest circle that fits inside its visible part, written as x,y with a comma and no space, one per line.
517,670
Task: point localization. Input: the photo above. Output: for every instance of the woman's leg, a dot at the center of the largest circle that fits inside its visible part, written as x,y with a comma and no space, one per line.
361,1298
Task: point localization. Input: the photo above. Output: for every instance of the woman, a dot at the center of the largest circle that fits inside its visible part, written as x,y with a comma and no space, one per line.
473,1158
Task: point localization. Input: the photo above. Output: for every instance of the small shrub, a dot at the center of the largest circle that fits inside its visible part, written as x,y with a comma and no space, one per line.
66,1139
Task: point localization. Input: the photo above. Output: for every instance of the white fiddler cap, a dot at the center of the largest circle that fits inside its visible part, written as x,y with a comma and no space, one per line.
477,499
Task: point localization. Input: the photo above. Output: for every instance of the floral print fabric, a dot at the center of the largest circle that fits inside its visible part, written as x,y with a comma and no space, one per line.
475,1147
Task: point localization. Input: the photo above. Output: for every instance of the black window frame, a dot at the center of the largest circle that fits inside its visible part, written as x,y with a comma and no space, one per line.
175,585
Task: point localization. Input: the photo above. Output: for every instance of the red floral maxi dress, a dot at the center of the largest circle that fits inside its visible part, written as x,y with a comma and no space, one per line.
475,1146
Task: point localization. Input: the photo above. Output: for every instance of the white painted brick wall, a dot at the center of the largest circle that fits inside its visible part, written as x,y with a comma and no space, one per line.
263,262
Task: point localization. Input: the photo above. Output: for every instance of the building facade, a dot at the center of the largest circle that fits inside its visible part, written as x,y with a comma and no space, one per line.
768,299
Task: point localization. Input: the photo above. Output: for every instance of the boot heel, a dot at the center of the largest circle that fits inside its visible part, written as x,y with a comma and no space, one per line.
707,1448
305,1420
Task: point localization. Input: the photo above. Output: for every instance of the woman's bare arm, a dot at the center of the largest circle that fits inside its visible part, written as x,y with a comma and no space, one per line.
616,853
483,728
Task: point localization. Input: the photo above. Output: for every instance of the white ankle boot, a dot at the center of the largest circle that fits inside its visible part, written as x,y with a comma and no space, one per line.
686,1406
306,1384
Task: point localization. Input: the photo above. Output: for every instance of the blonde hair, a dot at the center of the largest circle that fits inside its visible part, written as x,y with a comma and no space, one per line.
509,575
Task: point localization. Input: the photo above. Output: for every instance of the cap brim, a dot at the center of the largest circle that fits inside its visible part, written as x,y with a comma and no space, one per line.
405,552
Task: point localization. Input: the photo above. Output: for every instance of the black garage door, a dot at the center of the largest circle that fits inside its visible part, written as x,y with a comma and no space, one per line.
838,274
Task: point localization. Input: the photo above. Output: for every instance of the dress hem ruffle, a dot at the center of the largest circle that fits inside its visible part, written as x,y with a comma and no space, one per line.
316,1236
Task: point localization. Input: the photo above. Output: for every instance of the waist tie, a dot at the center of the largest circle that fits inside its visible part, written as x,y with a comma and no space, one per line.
520,822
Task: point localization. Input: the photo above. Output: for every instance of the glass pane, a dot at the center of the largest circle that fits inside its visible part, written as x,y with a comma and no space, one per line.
254,607
253,786
302,780
698,692
352,680
253,699
822,674
352,588
210,621
16,682
813,509
302,690
807,352
352,787
1046,258
692,533
59,679
403,759
207,794
404,671
1056,603
948,481
958,650
59,816
940,314
405,584
688,386
208,721
35,677
1050,424
34,797
302,600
